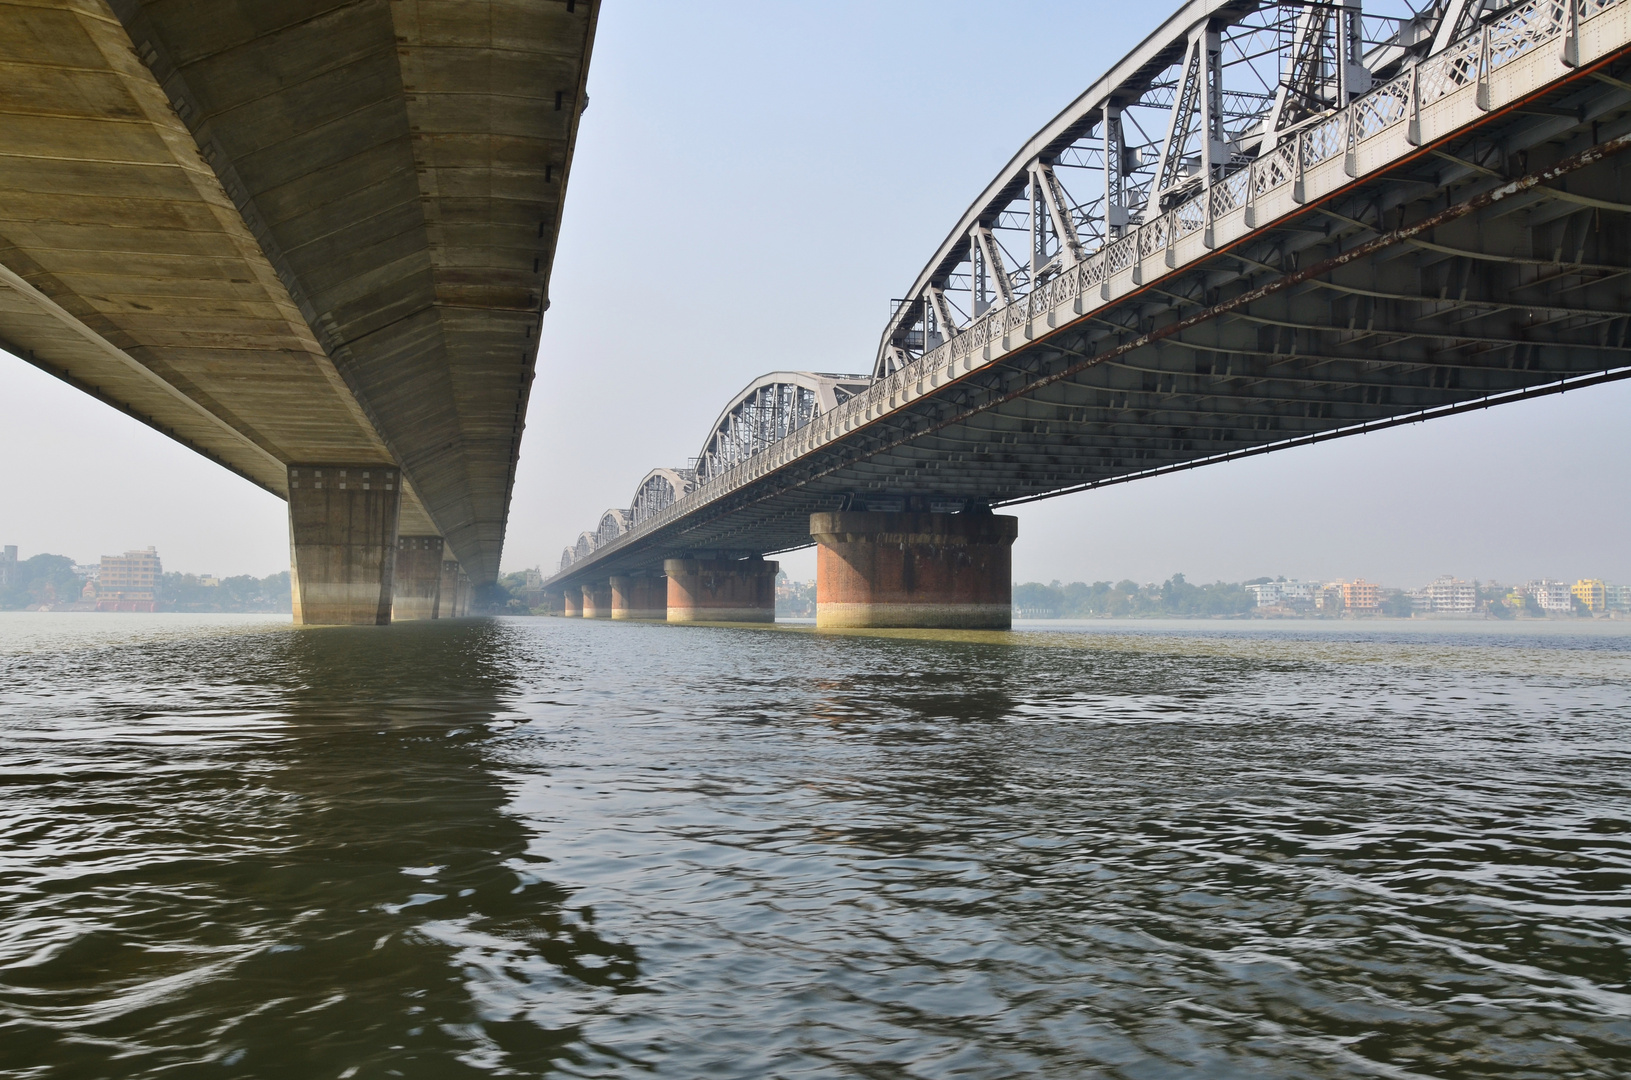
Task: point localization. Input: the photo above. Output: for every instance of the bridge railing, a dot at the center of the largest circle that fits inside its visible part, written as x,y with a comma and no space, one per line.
1465,64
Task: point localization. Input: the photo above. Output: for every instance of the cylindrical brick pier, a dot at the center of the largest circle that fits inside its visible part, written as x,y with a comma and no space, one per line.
721,590
597,600
948,571
639,596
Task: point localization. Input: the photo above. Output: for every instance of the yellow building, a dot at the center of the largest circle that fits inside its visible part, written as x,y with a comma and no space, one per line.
1590,592
129,582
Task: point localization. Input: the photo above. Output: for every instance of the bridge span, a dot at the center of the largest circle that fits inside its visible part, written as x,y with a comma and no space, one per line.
309,239
1270,224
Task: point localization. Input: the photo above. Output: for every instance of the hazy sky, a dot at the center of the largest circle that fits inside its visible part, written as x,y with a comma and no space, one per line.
753,182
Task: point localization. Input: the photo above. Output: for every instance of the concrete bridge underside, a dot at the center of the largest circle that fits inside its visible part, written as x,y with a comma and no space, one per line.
297,233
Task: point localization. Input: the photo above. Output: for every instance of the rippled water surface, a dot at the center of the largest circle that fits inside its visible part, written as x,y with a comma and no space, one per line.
530,847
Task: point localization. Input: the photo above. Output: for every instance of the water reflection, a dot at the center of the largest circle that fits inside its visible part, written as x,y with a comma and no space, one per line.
281,853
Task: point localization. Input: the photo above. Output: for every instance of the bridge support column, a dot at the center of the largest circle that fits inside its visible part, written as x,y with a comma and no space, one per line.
597,600
553,601
461,606
572,602
417,583
721,590
342,543
447,589
947,571
639,596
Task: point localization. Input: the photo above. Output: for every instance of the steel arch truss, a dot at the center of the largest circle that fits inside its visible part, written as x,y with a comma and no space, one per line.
660,489
768,410
1221,84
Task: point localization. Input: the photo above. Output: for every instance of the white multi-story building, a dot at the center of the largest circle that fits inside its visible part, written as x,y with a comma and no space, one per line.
1619,597
1447,595
1279,593
1552,596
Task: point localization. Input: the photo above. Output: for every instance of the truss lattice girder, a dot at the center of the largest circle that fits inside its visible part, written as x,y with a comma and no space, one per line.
1188,40
736,434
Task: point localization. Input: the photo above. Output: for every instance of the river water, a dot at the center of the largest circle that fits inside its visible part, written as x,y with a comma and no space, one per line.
545,846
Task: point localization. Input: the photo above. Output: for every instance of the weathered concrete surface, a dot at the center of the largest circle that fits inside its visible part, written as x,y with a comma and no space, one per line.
297,230
597,600
342,543
447,588
463,595
417,581
639,596
721,590
947,571
572,602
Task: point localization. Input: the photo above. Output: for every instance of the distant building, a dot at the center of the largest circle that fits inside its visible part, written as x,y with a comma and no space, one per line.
1362,597
1590,592
8,566
87,571
1448,595
129,582
1285,593
1554,597
1618,597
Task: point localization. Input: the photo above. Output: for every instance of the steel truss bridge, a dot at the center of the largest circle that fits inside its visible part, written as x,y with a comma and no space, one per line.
1269,225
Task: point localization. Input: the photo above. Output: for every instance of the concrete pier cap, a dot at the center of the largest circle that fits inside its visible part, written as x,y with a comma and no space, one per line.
923,570
721,590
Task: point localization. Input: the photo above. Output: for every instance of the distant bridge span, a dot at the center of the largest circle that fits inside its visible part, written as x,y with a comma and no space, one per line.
1271,224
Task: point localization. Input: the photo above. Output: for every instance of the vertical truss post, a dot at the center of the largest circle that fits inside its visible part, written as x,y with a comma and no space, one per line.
1214,150
1116,216
1571,33
1353,78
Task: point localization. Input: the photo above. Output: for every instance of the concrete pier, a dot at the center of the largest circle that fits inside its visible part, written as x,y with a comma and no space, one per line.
461,606
597,600
417,582
342,543
572,602
639,596
949,571
721,590
447,588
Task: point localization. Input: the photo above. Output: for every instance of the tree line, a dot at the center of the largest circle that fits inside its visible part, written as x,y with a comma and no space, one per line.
1128,599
